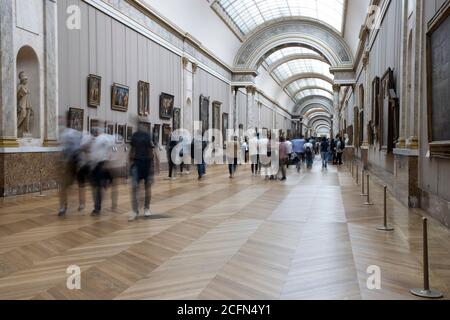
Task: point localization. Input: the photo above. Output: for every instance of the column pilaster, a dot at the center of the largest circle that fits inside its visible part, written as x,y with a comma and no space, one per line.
8,114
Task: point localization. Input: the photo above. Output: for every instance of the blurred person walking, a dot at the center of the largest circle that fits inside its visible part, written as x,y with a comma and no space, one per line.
142,158
70,140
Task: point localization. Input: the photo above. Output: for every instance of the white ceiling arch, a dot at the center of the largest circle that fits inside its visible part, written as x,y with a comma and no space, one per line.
293,57
313,92
302,76
313,102
311,88
314,123
290,32
315,109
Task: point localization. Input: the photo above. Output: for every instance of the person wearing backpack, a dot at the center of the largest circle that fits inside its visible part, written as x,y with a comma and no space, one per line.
309,153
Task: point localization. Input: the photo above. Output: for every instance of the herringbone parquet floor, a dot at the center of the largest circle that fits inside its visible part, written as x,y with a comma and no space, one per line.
308,238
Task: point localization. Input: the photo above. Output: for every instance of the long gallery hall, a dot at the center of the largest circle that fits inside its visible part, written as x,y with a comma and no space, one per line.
310,238
224,150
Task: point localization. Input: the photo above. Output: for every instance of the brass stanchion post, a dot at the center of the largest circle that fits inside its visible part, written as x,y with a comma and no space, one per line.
385,226
357,175
363,192
368,203
426,292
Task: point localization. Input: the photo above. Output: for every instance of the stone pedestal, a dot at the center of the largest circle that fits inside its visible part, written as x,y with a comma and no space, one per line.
26,172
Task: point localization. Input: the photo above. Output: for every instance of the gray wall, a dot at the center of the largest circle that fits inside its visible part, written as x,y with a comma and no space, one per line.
434,174
383,55
107,48
209,86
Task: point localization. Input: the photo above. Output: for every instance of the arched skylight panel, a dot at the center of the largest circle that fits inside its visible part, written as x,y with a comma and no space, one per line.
313,92
308,82
249,14
289,51
298,66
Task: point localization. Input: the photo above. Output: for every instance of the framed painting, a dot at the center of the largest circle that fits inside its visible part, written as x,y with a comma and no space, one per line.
75,119
385,132
375,103
166,132
143,98
120,133
166,105
129,134
147,127
176,121
216,115
119,98
94,90
264,132
94,124
204,113
225,120
350,135
109,129
156,133
438,83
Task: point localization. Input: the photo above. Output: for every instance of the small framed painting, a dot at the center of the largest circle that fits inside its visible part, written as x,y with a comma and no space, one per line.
75,119
143,98
109,129
166,132
94,124
166,105
156,133
120,96
94,90
120,133
129,134
147,127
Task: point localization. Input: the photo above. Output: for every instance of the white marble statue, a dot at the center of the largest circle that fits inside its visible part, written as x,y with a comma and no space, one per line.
24,109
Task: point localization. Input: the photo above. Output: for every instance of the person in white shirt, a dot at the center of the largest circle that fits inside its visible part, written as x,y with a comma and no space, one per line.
288,144
70,140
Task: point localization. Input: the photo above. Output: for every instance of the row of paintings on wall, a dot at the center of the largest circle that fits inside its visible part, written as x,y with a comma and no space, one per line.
123,132
120,96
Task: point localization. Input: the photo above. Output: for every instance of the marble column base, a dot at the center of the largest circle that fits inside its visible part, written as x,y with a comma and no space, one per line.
8,143
50,143
406,183
437,207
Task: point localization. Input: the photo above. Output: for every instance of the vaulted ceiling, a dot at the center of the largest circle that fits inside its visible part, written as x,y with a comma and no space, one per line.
299,61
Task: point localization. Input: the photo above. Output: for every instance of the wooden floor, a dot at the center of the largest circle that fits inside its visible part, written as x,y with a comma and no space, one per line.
308,238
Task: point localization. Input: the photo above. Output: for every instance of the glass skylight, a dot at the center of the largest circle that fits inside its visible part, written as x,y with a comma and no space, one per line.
298,66
313,92
289,51
249,14
294,87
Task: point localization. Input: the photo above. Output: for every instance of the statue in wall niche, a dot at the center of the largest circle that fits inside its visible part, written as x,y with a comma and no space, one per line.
24,110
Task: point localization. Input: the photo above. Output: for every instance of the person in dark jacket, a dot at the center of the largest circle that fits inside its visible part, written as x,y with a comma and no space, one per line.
324,149
142,168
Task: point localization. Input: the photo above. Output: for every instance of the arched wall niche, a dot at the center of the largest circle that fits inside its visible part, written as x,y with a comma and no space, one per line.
27,61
